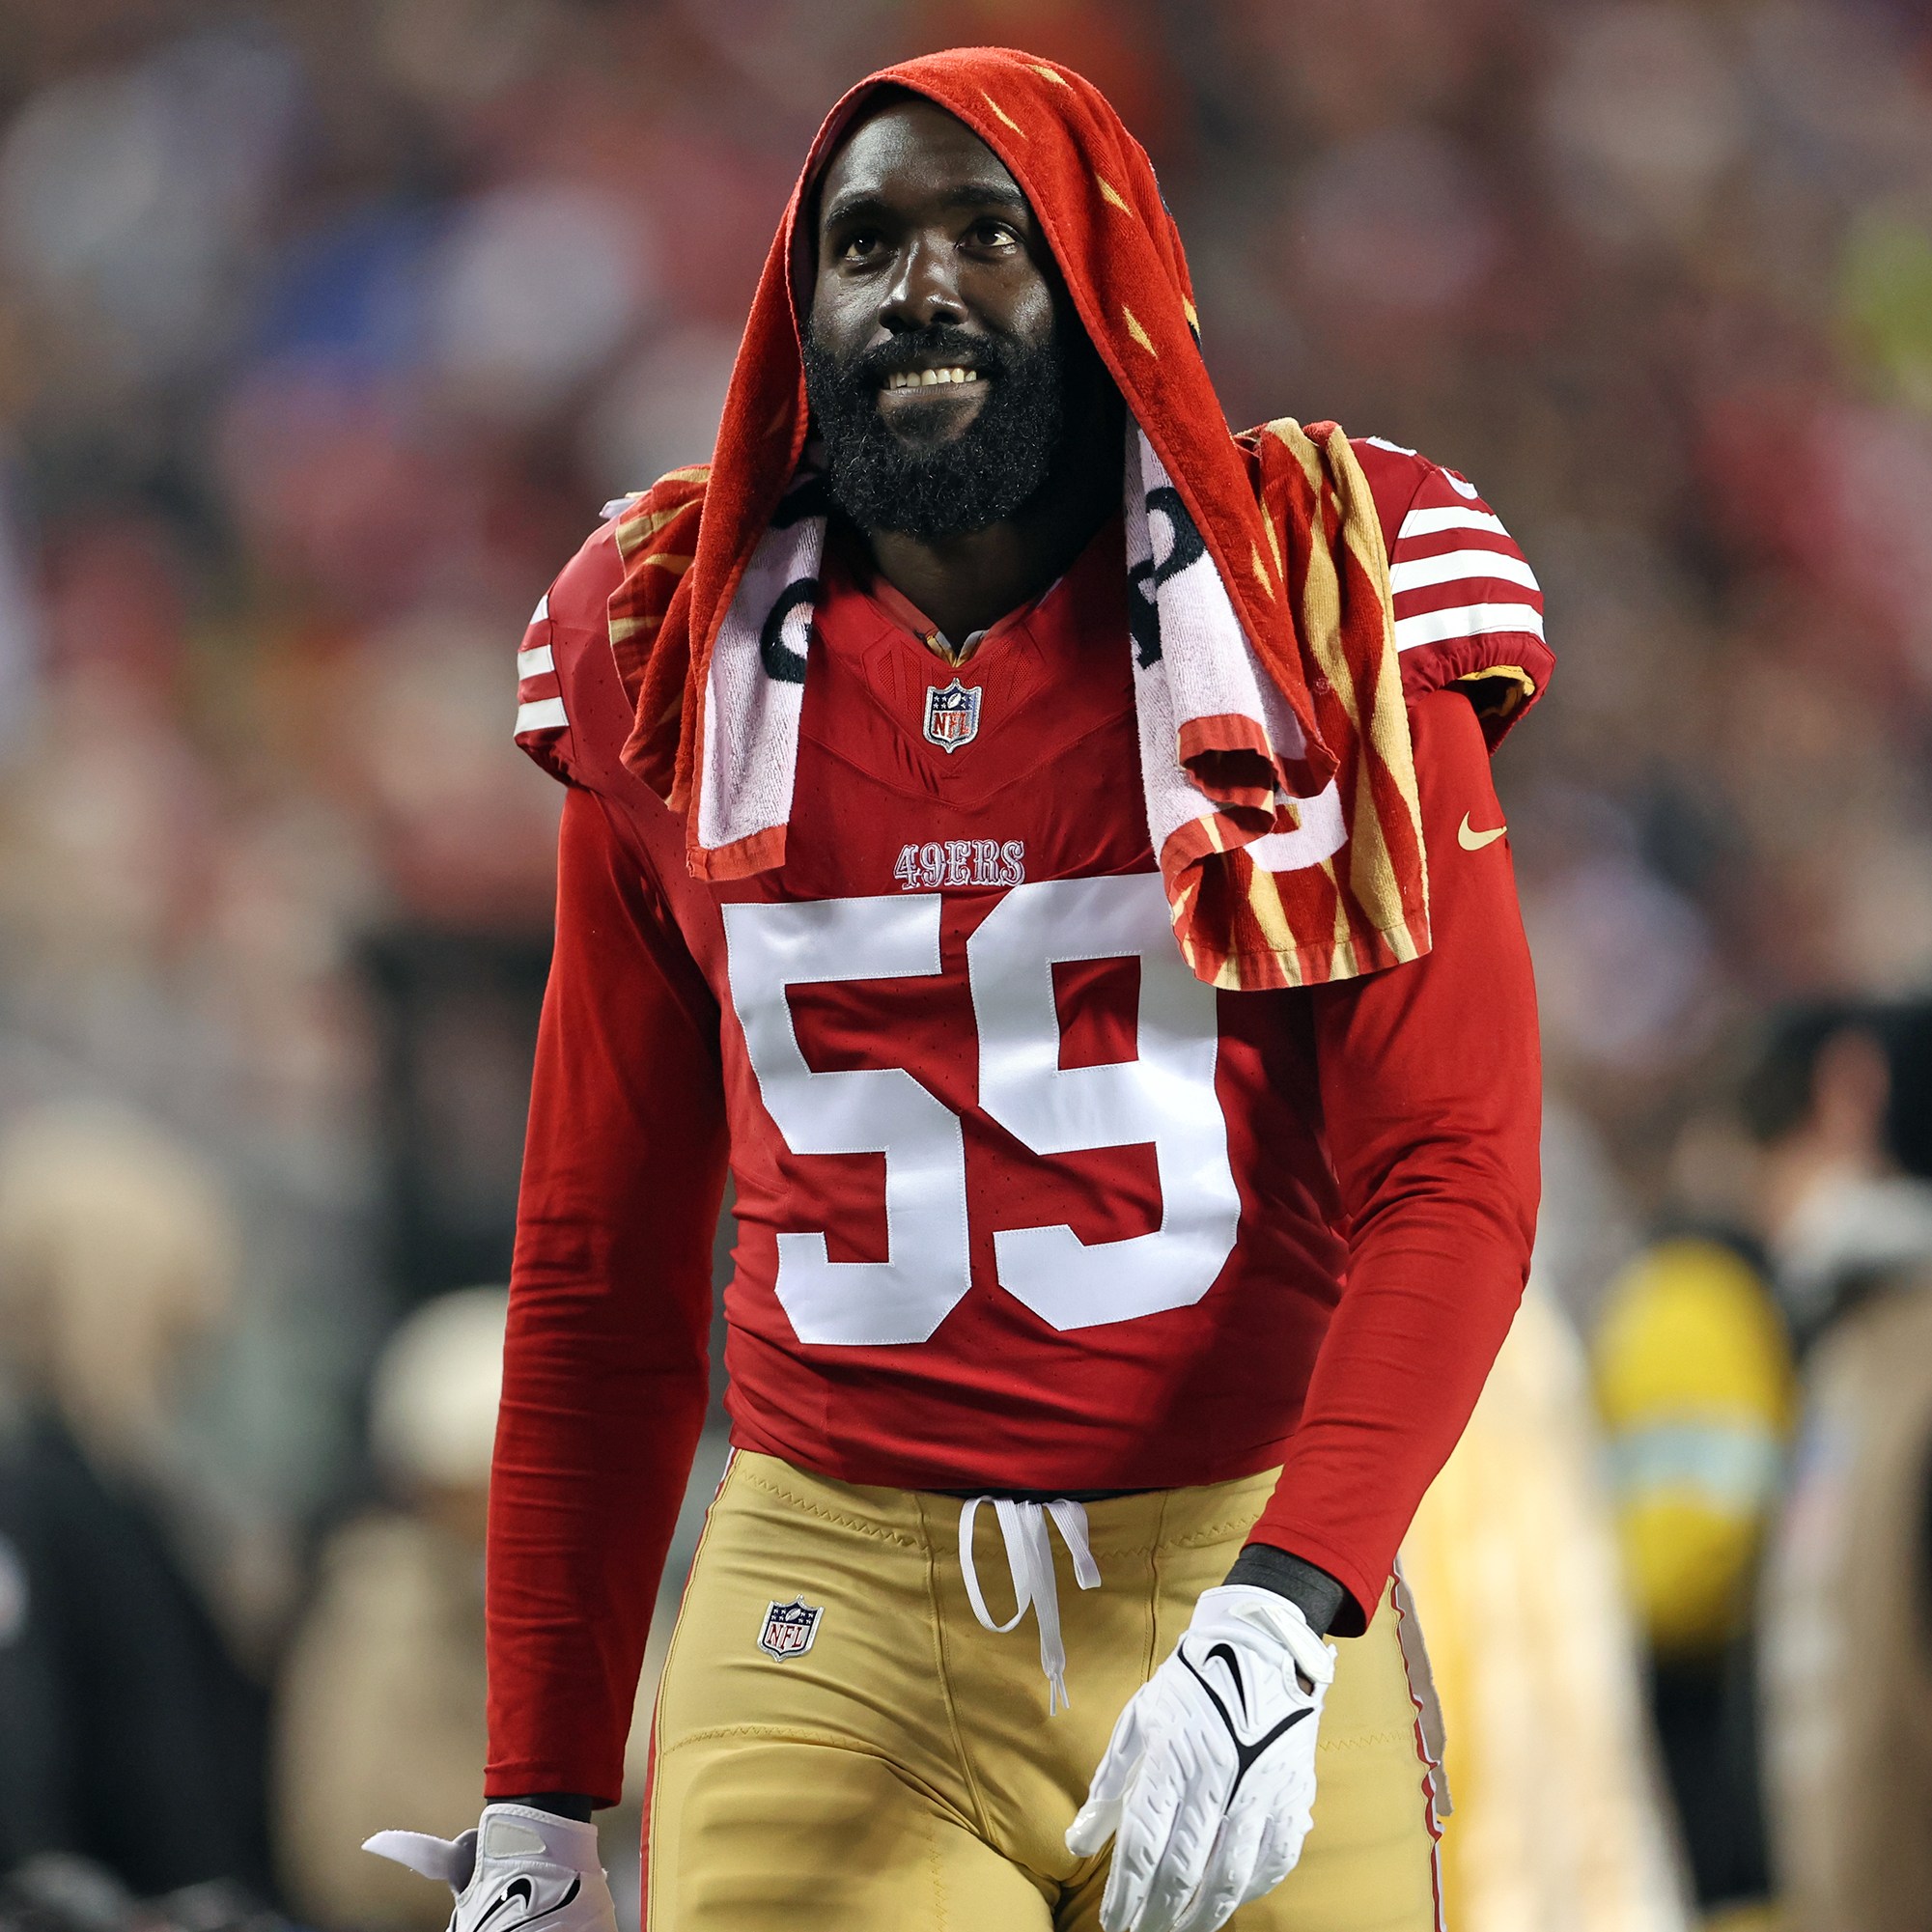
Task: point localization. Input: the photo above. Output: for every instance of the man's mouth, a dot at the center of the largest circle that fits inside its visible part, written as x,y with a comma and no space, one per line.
927,378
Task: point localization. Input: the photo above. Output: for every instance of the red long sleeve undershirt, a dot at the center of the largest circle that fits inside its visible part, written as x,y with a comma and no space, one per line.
1430,1091
606,1369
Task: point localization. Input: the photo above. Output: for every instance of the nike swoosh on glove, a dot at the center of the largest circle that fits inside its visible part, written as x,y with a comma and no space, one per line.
1208,1784
520,1867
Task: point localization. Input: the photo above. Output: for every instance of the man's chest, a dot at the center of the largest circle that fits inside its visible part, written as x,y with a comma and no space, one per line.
960,1042
917,776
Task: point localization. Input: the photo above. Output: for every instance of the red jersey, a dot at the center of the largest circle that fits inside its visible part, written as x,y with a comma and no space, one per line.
1022,1203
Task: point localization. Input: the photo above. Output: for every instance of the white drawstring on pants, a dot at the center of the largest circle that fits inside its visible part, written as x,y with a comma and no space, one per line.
1029,1555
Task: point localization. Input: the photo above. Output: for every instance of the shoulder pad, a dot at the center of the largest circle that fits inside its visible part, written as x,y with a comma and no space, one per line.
1469,610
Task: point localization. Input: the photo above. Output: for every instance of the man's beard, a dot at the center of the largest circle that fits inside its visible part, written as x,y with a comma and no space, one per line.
989,472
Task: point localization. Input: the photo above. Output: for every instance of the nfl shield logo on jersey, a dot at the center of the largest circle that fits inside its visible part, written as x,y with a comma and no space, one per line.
952,714
790,1627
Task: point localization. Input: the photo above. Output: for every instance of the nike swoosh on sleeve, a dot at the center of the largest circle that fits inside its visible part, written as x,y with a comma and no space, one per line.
1474,841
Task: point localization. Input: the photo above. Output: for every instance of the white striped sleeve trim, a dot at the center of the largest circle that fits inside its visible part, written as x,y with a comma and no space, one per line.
542,609
1466,620
1432,522
535,661
1419,573
544,715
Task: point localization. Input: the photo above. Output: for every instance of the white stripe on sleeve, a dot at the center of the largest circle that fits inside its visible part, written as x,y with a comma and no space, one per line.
547,714
535,661
1432,522
1466,620
1419,573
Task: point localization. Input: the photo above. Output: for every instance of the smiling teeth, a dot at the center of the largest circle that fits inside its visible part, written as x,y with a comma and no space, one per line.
927,378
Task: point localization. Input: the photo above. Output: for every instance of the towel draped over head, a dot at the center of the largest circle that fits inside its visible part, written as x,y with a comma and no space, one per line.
1280,785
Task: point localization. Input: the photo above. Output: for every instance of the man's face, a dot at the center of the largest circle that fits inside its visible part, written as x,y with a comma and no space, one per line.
941,339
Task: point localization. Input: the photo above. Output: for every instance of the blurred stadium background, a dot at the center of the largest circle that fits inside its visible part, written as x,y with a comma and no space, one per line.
324,330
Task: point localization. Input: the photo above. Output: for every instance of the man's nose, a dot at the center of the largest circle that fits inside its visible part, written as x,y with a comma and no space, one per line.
924,290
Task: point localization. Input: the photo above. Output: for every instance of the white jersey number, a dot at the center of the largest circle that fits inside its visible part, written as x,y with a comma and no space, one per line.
1166,1097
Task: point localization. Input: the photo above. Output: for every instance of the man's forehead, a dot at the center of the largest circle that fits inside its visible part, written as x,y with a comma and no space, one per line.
907,148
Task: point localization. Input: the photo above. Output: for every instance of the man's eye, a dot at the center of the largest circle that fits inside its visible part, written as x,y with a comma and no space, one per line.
992,234
862,248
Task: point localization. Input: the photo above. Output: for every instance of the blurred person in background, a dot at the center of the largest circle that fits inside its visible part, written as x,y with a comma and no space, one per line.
381,1697
1694,1384
129,1735
1843,1103
1559,1818
1839,1103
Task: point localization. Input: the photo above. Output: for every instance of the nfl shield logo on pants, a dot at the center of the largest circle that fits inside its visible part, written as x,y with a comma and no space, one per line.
952,714
790,1627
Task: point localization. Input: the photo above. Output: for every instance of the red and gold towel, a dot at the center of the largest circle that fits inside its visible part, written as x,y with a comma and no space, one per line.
1276,753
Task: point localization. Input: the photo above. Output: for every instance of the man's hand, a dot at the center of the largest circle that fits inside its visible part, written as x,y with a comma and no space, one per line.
519,1866
1209,1778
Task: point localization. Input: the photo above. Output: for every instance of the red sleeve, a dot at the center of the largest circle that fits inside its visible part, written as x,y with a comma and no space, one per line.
1431,1094
1469,610
605,1373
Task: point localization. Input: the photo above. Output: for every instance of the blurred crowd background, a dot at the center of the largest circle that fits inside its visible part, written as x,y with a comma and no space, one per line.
324,331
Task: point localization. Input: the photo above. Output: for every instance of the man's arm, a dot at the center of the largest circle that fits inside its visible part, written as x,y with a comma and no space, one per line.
605,1372
1430,1093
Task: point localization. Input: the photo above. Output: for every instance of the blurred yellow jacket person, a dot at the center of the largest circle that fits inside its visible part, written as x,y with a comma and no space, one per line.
1694,1384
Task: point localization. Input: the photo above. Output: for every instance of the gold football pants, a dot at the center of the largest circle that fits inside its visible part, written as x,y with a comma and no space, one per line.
890,1765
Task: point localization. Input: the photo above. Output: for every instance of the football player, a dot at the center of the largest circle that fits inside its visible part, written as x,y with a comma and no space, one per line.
1045,846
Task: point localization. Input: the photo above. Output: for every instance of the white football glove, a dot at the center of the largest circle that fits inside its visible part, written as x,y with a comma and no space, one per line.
1208,1779
520,1867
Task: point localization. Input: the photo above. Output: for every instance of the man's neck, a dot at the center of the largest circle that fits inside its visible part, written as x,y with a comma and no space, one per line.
969,582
